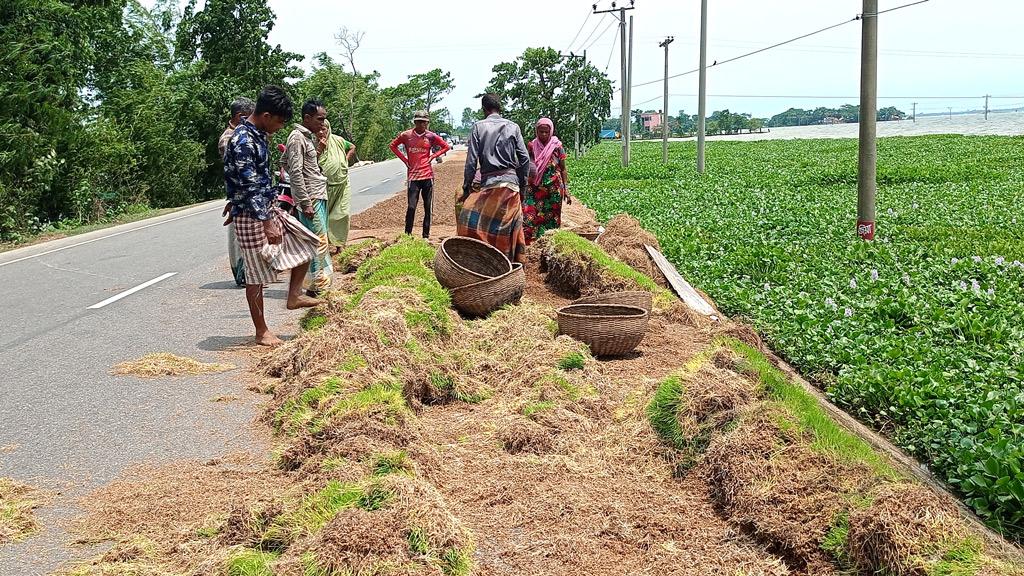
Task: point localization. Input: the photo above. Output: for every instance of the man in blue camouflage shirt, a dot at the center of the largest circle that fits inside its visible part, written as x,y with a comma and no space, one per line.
270,240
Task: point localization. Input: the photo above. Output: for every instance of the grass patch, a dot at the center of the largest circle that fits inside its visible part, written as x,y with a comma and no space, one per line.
249,562
354,362
384,398
165,364
446,385
319,508
663,412
16,504
312,321
573,361
406,264
297,413
835,541
829,437
535,407
456,563
392,463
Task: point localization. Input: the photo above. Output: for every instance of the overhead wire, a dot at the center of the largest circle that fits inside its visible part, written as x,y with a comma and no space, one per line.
778,44
600,36
576,37
596,26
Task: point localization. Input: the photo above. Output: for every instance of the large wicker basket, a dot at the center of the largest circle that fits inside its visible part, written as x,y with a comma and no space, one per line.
486,296
462,261
638,298
608,329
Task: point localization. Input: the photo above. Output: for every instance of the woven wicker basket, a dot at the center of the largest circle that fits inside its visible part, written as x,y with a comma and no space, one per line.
462,261
486,296
608,329
638,298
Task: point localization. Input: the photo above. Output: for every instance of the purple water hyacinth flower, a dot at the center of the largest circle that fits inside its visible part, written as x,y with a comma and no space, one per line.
1000,260
962,285
874,275
906,279
991,291
853,283
831,303
954,261
848,312
977,259
975,286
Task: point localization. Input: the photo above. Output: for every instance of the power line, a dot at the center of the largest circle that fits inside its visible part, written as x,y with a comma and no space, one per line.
596,26
576,37
601,35
783,43
610,54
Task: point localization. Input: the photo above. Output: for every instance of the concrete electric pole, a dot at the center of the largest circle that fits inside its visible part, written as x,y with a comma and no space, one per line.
868,151
986,105
913,115
703,88
624,75
664,112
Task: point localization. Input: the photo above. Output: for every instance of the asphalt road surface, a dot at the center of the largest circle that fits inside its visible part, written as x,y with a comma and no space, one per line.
75,307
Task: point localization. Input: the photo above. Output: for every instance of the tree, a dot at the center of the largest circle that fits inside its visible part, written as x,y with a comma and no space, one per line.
890,113
350,40
468,118
432,86
541,84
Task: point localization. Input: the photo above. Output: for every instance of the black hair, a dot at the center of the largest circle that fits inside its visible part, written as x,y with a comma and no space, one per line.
491,103
243,106
274,101
310,107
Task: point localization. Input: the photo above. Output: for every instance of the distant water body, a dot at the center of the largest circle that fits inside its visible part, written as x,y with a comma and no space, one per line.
1002,124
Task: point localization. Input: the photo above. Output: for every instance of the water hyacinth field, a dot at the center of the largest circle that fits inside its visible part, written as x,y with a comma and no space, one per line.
920,333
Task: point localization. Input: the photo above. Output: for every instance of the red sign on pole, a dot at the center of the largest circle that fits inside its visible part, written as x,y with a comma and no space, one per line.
866,229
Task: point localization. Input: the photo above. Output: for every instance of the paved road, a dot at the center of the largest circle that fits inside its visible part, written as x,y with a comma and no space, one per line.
65,422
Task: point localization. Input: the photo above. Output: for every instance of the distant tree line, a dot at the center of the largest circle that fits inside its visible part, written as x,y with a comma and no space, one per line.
821,115
111,107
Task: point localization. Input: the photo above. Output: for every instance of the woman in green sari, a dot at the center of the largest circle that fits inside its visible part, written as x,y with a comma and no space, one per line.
335,155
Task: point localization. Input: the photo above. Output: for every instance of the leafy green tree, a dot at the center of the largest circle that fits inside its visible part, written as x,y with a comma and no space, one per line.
541,84
433,86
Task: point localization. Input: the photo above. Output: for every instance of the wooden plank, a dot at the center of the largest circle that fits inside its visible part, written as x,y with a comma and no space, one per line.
683,288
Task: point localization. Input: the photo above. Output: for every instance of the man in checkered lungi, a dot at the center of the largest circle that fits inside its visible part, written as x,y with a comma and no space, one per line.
271,241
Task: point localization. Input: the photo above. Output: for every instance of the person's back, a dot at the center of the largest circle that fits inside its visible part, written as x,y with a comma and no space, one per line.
497,145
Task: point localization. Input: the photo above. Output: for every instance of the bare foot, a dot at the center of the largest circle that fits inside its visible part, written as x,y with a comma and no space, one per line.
268,339
302,302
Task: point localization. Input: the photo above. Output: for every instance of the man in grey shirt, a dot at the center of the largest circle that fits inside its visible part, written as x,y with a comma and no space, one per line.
497,145
309,189
494,212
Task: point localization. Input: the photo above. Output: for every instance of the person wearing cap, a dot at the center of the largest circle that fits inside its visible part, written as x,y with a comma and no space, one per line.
418,143
309,189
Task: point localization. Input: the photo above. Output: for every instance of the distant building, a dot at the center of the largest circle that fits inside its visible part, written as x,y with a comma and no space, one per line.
831,120
609,135
652,120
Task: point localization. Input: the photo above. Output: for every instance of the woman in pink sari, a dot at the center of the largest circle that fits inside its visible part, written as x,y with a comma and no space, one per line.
542,203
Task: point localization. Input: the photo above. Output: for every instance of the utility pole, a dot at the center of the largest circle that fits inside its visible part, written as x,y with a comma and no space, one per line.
664,113
986,105
914,114
950,108
625,86
867,150
576,113
703,89
629,95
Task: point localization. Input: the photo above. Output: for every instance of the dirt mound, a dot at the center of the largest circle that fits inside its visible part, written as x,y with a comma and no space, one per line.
624,238
767,479
907,530
349,259
390,213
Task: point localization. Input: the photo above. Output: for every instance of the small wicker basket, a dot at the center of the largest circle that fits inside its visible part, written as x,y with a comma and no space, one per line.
461,261
608,329
482,298
638,298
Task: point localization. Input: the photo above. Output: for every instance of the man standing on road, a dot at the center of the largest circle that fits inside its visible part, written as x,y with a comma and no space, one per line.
270,240
309,189
493,212
417,158
241,108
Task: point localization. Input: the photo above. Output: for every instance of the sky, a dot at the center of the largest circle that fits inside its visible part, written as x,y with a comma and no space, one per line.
933,53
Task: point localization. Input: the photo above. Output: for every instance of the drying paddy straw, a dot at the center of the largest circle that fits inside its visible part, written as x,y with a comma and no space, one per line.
165,364
412,441
17,501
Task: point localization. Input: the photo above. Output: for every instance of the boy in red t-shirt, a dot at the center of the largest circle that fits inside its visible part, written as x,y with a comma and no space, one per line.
418,143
